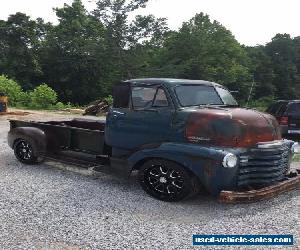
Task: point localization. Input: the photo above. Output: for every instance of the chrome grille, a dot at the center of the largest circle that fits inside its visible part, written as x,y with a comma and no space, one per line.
262,166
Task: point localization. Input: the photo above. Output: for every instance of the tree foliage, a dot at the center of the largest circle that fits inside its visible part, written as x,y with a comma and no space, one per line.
83,55
20,41
276,67
10,88
203,49
43,96
73,55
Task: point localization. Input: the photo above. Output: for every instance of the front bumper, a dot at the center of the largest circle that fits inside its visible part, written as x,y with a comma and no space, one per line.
291,182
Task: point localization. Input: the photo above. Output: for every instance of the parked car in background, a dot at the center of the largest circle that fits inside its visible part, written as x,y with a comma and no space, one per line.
287,114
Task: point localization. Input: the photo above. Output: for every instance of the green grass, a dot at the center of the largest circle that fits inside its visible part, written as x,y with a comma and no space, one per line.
297,158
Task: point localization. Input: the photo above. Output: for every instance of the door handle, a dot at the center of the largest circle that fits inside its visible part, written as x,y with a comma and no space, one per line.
116,114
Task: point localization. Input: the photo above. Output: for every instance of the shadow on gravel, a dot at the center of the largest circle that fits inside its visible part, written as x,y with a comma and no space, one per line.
126,195
132,183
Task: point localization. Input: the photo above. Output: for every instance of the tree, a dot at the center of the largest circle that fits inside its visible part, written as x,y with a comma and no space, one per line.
203,49
262,71
283,52
73,56
20,38
129,42
86,53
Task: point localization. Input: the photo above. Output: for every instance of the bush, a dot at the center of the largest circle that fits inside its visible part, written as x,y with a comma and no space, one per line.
109,100
59,106
43,97
24,100
262,103
12,89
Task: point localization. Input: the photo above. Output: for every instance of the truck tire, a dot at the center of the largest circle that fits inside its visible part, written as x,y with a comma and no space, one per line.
24,152
167,181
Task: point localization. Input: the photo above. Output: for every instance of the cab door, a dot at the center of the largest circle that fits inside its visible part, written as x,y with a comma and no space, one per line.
147,120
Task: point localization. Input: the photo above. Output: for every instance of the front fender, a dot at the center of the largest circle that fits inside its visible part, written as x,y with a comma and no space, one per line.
35,136
204,162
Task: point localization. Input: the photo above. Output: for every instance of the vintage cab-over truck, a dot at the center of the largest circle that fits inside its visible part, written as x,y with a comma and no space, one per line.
180,135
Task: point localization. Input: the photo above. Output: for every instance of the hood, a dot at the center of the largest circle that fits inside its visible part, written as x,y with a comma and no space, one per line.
231,127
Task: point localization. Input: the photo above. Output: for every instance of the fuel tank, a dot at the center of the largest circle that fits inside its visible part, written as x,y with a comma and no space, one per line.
231,127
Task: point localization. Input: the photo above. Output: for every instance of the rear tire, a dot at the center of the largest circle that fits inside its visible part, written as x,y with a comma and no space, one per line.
167,181
24,152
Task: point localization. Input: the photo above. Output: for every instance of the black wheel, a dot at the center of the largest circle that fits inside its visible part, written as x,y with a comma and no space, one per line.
24,152
166,180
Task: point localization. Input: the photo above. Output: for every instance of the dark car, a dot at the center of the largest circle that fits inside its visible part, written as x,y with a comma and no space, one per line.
287,114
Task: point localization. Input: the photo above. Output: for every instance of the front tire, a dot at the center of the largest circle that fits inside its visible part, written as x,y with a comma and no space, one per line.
24,152
167,180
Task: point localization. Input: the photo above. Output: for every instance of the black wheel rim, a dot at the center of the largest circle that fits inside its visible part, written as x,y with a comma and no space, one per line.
164,180
24,151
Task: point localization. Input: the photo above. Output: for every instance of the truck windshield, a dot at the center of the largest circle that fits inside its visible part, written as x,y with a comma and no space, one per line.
195,95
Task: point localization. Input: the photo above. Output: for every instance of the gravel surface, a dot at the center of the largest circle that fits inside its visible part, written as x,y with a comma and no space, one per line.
46,207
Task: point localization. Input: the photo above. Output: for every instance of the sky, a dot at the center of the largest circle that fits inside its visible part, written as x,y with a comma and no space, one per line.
252,22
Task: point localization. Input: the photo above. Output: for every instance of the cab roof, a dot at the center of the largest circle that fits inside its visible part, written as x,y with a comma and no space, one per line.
171,81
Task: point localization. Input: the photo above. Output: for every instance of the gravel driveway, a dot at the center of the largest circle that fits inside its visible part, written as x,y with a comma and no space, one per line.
46,207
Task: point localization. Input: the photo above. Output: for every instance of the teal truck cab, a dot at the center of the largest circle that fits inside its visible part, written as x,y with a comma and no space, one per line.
180,135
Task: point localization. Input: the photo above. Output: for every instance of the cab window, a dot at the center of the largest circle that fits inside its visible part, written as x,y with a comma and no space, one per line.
160,99
148,97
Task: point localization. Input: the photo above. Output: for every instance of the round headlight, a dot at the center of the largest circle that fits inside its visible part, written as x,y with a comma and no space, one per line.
295,148
230,161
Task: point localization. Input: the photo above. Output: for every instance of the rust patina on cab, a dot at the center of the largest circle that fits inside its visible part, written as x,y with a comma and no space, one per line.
235,128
